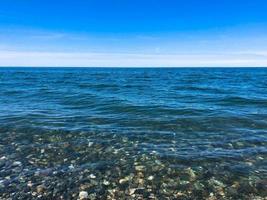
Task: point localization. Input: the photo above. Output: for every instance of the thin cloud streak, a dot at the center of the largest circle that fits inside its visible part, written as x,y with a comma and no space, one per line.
88,59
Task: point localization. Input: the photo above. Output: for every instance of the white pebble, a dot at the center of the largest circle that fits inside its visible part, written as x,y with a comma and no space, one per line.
92,176
17,163
132,191
105,182
83,195
71,166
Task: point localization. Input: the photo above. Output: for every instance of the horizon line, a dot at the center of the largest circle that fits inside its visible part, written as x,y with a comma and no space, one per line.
22,66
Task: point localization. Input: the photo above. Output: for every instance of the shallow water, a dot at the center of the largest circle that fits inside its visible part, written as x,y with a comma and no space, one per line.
133,133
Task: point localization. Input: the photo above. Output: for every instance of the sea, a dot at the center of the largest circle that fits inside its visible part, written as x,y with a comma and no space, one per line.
133,133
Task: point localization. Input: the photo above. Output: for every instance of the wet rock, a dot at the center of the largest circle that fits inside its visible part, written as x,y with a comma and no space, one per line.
216,183
139,168
158,162
191,173
141,181
29,184
106,183
40,189
231,191
212,197
184,182
132,191
198,186
92,176
3,158
44,172
71,167
16,164
180,195
2,163
140,175
2,184
262,186
34,194
83,195
152,196
124,180
90,144
92,196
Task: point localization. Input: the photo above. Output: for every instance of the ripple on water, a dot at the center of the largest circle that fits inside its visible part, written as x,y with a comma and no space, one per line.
133,133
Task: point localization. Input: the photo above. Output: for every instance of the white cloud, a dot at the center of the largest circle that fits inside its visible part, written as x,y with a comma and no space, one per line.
87,59
31,47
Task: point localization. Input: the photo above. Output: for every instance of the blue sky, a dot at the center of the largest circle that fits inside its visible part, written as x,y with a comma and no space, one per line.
133,33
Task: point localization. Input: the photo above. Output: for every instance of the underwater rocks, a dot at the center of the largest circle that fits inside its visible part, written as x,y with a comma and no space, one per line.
92,166
262,186
127,182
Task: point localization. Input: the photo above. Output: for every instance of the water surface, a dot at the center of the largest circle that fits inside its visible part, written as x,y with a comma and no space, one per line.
133,133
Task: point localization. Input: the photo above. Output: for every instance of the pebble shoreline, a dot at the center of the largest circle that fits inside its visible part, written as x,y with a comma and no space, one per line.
54,166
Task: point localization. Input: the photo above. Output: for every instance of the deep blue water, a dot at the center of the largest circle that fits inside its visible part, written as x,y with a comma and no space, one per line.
193,125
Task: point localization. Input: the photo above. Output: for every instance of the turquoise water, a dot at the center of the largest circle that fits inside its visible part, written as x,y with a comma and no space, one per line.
118,133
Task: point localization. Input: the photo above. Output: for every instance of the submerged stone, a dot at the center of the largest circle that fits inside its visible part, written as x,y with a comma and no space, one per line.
83,195
139,168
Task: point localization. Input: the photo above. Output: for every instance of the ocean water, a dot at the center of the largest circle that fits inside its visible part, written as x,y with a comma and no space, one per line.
125,133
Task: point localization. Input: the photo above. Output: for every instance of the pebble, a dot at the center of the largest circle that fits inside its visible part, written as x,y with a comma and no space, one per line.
44,172
124,180
139,168
141,181
16,163
29,184
3,158
83,195
179,194
132,191
71,166
215,182
40,189
191,173
92,176
133,176
105,182
2,185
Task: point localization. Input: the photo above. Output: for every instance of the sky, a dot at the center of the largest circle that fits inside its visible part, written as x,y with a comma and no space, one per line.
133,33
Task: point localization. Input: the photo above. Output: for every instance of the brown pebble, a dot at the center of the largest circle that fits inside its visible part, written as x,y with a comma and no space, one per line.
40,189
